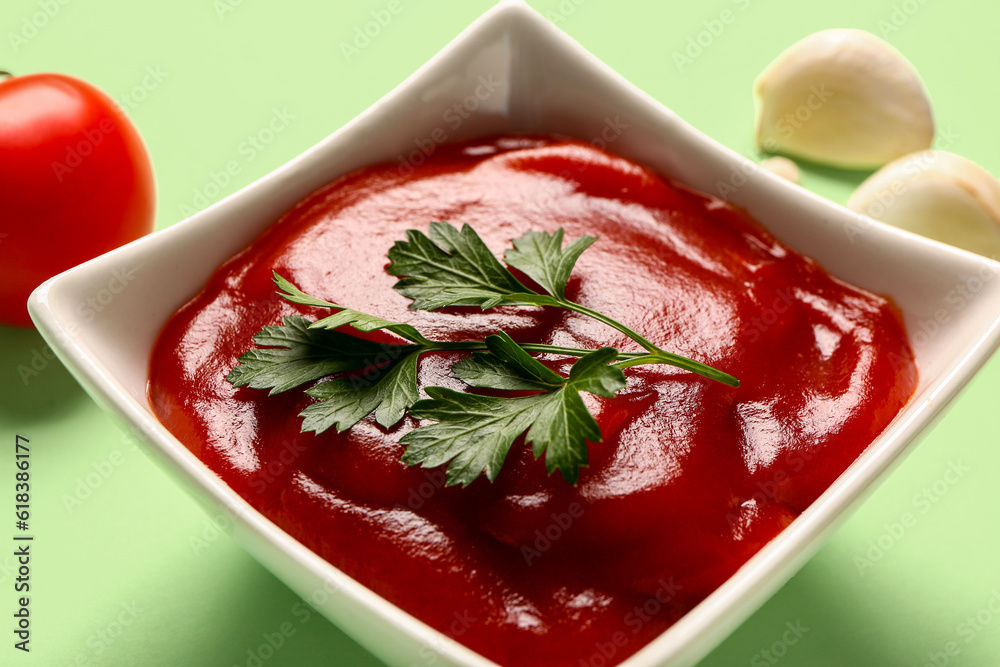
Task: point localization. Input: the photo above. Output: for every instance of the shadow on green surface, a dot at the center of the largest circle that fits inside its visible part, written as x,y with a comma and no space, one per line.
284,626
851,178
252,618
838,622
34,385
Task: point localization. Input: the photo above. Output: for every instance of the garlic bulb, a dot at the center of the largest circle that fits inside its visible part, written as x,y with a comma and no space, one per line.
939,195
843,98
781,166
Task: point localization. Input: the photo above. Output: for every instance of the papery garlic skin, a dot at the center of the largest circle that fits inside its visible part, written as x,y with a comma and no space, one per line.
939,195
781,166
843,98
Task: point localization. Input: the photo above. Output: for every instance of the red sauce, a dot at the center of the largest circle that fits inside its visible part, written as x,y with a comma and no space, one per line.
692,478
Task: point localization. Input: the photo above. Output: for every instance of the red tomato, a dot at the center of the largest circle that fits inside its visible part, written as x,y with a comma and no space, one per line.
75,182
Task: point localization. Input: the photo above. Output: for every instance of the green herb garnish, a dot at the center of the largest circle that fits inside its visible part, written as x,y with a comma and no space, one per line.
472,433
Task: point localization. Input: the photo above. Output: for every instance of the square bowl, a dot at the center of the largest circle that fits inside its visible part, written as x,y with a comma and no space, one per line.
512,72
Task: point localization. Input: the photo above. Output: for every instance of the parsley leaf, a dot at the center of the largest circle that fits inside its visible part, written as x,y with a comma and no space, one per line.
564,422
346,401
474,433
346,316
540,255
518,360
488,372
301,351
454,268
294,354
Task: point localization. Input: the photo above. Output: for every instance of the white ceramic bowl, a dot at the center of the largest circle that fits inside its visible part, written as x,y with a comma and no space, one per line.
521,75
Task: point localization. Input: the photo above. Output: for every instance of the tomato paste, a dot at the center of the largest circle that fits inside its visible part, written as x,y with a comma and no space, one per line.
692,477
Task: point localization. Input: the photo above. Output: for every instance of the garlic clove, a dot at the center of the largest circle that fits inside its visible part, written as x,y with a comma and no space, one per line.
844,98
936,194
781,166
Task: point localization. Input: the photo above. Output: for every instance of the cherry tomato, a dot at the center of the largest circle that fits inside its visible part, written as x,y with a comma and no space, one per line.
75,182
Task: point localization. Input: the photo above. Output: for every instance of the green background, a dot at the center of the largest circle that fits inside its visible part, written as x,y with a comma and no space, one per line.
128,570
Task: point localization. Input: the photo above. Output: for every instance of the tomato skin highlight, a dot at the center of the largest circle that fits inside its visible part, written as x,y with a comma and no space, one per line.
75,182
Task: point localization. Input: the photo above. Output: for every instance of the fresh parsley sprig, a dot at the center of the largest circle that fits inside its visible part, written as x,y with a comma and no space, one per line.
475,432
452,268
472,433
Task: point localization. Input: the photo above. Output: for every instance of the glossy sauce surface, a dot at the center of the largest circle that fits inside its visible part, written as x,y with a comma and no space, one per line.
692,477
